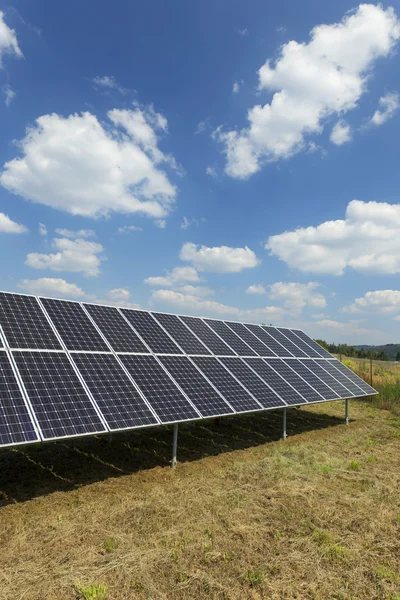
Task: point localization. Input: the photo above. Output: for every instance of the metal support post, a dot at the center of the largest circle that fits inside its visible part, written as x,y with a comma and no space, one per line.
284,436
347,411
174,445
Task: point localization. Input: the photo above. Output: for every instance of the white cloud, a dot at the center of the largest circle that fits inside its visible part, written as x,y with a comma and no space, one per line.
108,82
161,223
310,82
8,226
341,133
186,223
243,32
177,276
379,302
118,294
129,228
202,126
78,165
81,233
8,40
367,240
191,304
201,291
78,256
9,94
42,229
236,87
256,288
49,286
389,104
349,327
295,296
397,318
220,259
211,171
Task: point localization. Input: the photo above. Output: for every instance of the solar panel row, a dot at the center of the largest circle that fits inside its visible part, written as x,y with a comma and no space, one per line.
71,369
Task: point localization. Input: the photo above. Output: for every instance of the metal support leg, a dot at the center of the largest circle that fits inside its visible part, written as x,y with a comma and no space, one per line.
347,411
284,436
174,445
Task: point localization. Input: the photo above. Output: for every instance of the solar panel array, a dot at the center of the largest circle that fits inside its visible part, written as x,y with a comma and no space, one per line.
70,369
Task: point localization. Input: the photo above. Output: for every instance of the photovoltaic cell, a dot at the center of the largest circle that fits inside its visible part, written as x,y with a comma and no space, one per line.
238,397
73,325
118,400
341,377
277,383
208,337
287,344
230,338
59,400
254,342
300,343
181,334
367,389
255,385
24,323
339,389
295,380
207,401
305,338
114,327
160,391
275,348
151,332
300,368
16,425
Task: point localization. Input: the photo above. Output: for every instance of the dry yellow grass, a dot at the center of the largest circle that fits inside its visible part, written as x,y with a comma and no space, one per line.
244,516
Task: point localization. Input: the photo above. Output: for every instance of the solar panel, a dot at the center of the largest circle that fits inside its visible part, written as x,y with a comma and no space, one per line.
305,338
316,367
300,368
181,334
163,395
16,426
237,396
208,337
341,377
367,389
302,345
74,326
207,401
118,400
277,383
230,338
58,398
24,323
254,342
283,340
114,327
151,332
295,380
275,348
252,382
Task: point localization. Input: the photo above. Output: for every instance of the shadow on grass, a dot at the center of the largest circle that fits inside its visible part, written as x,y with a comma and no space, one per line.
30,471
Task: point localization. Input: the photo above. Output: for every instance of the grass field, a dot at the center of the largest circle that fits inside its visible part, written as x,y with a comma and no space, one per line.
244,515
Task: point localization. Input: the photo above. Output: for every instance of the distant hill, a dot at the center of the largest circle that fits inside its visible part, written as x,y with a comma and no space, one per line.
392,350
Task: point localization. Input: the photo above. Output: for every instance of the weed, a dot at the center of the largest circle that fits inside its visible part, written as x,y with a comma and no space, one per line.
92,592
386,574
254,578
184,576
354,465
372,458
324,468
110,545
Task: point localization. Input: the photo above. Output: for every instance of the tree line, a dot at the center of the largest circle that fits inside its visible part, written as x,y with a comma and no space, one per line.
352,351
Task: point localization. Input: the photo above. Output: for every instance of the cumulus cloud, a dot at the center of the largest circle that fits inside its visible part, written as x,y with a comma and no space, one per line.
78,256
310,82
243,32
9,94
83,167
349,327
211,171
129,229
389,105
118,294
9,226
161,223
379,302
49,286
118,297
219,259
191,304
295,296
8,41
177,276
367,240
108,82
42,229
236,87
80,233
341,133
256,288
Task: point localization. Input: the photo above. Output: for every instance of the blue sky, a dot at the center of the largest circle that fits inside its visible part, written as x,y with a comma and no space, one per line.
229,159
